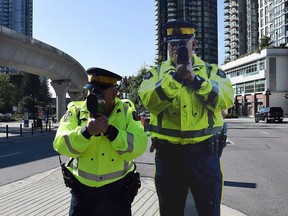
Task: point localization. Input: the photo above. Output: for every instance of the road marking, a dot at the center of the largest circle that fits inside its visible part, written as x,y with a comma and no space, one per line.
263,132
9,154
229,141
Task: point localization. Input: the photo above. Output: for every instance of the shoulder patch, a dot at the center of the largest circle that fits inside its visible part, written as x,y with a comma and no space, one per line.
221,73
148,76
67,115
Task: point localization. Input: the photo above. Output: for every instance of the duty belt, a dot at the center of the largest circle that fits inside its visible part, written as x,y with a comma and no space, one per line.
209,145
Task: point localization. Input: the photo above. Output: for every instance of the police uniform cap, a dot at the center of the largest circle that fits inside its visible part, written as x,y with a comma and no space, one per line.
179,29
101,78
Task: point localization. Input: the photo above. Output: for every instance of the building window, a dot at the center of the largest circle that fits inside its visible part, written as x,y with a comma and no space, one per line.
240,88
262,65
259,85
249,87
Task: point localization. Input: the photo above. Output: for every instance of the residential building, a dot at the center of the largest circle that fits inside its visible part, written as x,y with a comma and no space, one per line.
203,13
273,21
259,80
16,15
247,22
252,26
235,18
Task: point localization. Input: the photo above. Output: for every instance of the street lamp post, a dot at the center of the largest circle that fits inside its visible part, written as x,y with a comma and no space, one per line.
267,93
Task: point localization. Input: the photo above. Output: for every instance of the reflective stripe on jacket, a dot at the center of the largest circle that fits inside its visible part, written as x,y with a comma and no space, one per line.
99,161
179,113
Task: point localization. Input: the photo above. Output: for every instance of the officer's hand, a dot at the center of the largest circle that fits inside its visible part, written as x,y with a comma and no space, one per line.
97,125
185,71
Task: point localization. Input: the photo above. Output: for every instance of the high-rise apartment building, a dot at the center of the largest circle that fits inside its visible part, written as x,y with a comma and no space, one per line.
252,25
16,15
258,78
273,21
203,13
235,28
246,22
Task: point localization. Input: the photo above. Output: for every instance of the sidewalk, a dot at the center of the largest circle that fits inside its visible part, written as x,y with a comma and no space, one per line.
46,194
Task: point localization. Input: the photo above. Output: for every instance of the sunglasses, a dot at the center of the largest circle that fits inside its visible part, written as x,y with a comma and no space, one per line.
178,43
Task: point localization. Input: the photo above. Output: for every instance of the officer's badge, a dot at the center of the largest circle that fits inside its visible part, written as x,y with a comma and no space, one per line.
221,74
176,30
67,115
148,76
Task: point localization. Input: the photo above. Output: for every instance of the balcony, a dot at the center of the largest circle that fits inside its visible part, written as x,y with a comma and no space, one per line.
234,25
234,33
226,6
226,19
226,13
234,39
234,12
227,39
227,51
227,25
227,32
234,18
227,45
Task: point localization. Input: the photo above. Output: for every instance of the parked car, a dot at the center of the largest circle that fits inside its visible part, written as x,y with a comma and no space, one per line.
268,114
1,116
8,115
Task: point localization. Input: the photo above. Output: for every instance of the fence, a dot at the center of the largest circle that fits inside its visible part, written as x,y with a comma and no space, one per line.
13,129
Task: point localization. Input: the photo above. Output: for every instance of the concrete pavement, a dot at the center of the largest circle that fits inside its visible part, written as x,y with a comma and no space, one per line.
46,194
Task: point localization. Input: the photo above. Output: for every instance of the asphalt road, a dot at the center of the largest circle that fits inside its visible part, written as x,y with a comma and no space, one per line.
255,167
22,159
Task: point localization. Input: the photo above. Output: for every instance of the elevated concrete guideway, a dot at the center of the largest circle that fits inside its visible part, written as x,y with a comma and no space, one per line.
27,54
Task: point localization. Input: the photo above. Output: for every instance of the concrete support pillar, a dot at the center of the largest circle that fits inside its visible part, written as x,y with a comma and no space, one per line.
61,88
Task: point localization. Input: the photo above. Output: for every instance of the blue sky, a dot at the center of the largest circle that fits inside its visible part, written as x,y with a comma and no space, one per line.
118,37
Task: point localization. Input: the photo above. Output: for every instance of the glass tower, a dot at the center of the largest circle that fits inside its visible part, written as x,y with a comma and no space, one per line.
203,13
17,15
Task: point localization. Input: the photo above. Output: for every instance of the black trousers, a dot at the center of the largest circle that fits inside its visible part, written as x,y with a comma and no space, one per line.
117,202
178,170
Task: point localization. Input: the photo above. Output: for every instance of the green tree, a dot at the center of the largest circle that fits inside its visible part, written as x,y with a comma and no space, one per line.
265,42
30,91
33,91
30,85
7,94
44,94
130,85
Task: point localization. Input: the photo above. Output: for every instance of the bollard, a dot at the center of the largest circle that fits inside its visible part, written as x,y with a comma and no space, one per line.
41,127
20,130
6,131
49,126
32,128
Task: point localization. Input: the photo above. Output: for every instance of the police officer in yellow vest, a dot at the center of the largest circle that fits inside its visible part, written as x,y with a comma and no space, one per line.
185,97
102,138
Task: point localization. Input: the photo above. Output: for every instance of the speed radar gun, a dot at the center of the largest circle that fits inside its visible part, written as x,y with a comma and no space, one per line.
95,103
182,53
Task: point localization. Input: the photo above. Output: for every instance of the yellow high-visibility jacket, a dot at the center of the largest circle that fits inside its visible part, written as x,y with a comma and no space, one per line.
182,112
98,160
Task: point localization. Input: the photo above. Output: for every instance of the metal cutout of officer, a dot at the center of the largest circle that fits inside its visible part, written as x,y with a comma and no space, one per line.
185,97
102,139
